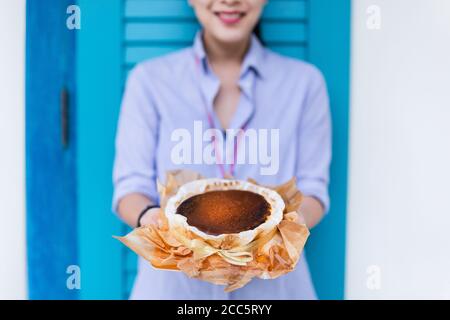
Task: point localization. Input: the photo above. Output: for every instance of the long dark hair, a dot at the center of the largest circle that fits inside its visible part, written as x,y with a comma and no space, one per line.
258,33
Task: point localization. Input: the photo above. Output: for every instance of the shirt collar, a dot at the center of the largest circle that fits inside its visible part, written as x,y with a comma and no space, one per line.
253,60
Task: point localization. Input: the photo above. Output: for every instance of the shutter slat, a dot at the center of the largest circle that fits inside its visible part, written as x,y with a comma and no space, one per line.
180,9
285,10
282,32
184,32
162,32
162,9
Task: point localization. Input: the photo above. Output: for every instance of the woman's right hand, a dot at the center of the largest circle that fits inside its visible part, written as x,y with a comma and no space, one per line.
150,217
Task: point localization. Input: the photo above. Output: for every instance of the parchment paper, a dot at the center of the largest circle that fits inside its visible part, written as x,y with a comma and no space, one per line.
268,256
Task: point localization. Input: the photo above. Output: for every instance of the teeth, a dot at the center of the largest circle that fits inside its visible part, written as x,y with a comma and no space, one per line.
230,15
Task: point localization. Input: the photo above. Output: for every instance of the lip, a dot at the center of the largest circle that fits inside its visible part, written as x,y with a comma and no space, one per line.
230,17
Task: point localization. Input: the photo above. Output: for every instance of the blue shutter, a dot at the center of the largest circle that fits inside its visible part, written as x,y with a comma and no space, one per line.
156,27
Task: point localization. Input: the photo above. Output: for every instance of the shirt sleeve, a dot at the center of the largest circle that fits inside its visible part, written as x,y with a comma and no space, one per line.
314,152
136,140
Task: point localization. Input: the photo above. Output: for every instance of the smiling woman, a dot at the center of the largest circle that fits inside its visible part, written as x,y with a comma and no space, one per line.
226,80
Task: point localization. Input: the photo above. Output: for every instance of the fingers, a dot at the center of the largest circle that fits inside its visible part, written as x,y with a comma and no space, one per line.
151,217
301,218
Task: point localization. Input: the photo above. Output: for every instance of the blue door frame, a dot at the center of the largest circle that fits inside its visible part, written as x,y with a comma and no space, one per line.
100,61
50,164
329,40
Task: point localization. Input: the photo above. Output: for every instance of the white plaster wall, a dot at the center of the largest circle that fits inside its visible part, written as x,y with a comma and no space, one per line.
12,145
399,194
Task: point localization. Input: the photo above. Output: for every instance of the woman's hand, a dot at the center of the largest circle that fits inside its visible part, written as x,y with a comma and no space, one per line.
150,217
131,206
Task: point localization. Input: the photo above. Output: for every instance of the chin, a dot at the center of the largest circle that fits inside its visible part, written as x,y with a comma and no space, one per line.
232,36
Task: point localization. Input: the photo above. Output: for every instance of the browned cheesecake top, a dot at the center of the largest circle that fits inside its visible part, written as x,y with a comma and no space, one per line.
225,211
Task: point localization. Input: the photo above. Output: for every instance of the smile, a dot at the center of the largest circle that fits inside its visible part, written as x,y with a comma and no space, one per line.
230,17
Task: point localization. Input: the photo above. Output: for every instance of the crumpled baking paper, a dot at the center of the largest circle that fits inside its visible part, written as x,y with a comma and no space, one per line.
268,256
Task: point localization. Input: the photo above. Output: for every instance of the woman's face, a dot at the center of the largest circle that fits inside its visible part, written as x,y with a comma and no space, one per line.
228,20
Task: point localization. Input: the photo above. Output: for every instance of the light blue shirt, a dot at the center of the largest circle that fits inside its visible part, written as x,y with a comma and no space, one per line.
174,93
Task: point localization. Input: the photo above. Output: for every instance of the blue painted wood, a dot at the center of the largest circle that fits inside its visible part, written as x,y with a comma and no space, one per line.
329,49
99,79
50,168
180,10
168,31
285,10
184,31
162,9
284,32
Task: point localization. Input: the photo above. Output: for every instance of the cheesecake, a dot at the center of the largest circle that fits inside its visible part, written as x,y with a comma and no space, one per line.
225,211
214,209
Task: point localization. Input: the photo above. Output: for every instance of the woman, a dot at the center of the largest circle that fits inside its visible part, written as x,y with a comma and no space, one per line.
227,80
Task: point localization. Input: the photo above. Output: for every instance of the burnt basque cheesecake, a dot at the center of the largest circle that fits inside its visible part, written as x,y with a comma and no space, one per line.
225,211
215,208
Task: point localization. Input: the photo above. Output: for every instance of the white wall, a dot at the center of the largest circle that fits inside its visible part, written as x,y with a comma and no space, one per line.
12,164
399,201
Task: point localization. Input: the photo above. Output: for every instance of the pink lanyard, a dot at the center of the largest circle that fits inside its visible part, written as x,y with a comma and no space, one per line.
214,138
